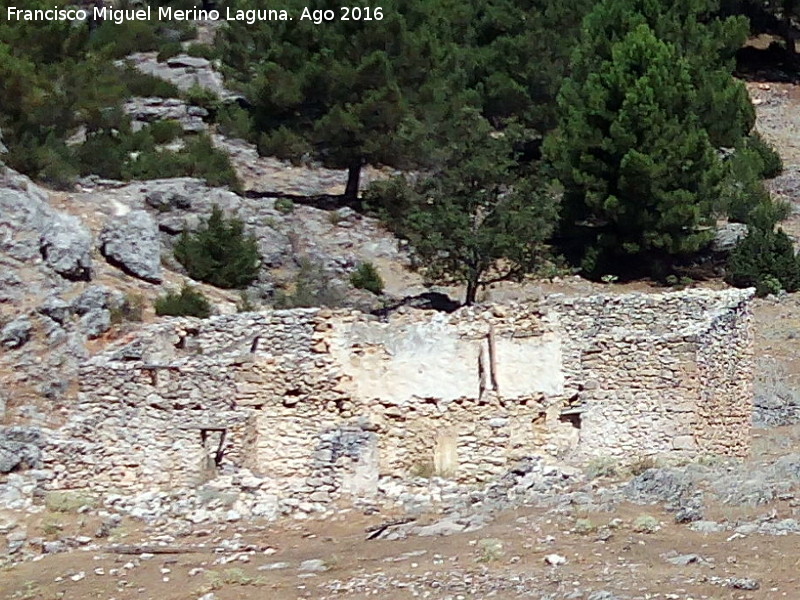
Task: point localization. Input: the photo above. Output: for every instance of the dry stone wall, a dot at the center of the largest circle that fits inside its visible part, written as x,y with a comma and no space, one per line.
315,404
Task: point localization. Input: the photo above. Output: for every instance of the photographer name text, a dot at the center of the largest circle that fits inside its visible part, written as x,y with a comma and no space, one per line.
165,13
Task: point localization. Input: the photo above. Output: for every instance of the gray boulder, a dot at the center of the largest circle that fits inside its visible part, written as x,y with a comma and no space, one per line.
55,309
16,333
131,242
96,322
727,236
66,246
19,447
23,213
95,297
191,62
166,200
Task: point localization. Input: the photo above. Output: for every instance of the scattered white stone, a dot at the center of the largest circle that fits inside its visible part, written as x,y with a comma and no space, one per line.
314,564
555,560
274,566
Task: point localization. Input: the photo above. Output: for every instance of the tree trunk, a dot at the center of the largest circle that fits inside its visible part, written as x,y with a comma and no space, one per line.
472,292
353,179
787,27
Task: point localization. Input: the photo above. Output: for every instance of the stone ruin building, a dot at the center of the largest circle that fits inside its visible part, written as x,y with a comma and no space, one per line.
321,403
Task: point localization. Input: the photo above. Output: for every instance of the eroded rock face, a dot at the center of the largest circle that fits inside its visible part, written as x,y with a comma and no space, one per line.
16,333
131,243
144,111
183,71
19,447
728,236
66,247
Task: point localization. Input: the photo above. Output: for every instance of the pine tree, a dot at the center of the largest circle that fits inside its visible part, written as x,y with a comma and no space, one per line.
640,173
472,219
338,92
219,252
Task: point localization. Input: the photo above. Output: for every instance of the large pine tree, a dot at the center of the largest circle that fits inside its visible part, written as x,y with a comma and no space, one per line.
649,101
640,174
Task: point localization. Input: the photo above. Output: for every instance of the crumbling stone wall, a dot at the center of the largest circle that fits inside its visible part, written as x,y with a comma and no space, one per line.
318,403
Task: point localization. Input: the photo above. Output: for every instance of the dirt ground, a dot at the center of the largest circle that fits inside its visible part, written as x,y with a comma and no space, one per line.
630,564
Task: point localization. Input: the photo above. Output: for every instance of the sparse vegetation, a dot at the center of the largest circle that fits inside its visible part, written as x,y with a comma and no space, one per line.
130,310
67,502
52,528
312,286
603,467
245,304
645,524
424,469
232,576
641,465
284,206
188,302
367,277
490,550
584,527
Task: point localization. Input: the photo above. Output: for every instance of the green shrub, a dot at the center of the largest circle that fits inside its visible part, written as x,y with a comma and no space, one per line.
771,162
55,166
202,97
203,160
202,51
311,287
118,41
103,153
645,524
284,206
282,143
164,132
584,526
219,252
489,550
168,50
234,121
198,158
189,302
766,260
765,215
144,85
366,277
187,31
603,466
